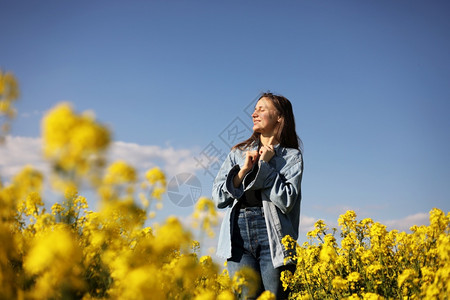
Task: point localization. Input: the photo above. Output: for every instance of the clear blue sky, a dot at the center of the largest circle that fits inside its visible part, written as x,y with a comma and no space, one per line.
369,82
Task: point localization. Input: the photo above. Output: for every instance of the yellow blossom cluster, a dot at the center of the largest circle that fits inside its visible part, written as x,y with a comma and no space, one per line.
118,182
205,215
9,93
157,182
74,143
370,262
153,188
72,252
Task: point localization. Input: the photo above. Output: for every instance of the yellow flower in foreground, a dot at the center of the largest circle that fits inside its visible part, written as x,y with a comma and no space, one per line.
9,93
209,295
120,172
157,192
171,236
9,90
378,230
205,214
267,295
406,275
29,179
372,296
33,202
347,221
339,283
328,252
157,181
4,106
71,191
353,297
54,249
155,176
354,277
73,141
246,279
226,295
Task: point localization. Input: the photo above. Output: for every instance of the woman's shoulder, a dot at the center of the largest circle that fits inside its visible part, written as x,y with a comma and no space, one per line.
291,154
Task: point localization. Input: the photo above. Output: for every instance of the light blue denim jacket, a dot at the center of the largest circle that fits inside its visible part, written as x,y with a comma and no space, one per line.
280,183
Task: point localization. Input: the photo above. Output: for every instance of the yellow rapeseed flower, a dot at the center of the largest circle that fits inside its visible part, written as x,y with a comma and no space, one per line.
267,295
205,214
33,202
120,172
347,221
52,250
246,280
9,93
226,295
28,179
171,235
339,283
4,106
155,175
73,141
157,192
157,180
328,252
372,296
378,230
354,277
8,86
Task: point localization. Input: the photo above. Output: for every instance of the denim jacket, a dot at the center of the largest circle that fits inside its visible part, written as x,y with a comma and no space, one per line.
280,183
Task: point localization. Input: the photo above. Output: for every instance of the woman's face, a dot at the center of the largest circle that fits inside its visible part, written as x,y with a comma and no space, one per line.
265,117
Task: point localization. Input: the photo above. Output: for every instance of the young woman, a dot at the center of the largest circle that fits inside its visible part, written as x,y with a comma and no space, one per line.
259,185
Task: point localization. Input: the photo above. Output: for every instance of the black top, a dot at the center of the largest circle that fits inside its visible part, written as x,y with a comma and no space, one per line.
251,198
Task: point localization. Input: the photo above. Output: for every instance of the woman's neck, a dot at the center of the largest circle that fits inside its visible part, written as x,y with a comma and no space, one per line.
268,140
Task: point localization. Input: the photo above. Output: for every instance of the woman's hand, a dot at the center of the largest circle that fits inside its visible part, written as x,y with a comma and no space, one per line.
250,159
266,153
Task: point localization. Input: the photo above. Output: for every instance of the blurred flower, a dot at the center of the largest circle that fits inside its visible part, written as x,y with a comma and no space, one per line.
120,172
74,143
157,180
155,176
205,215
9,93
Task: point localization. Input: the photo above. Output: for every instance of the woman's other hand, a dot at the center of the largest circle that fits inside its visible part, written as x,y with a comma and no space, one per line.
266,153
251,158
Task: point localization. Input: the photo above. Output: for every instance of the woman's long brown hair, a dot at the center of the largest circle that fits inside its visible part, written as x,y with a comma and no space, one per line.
286,134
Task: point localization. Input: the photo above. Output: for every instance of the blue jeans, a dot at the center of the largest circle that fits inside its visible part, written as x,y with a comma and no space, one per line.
250,248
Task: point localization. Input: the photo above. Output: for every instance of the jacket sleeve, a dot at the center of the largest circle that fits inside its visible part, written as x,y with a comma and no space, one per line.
282,187
224,192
